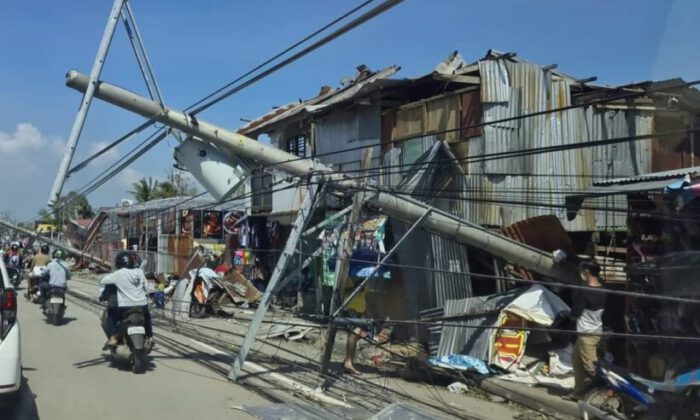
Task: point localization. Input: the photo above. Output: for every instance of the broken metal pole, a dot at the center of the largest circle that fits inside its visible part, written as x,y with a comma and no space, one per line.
132,31
303,216
79,121
393,205
346,243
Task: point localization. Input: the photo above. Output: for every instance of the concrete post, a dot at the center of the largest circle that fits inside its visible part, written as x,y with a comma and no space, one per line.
394,205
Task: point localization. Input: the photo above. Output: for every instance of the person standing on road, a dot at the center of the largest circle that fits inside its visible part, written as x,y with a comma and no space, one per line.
588,307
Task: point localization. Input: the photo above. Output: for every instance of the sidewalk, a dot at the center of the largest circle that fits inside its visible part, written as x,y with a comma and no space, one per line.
536,398
295,364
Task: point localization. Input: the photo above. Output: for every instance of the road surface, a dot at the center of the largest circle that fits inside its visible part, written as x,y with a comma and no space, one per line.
67,376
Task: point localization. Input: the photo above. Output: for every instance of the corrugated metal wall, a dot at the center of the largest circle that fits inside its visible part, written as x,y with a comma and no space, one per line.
617,160
348,129
508,190
429,289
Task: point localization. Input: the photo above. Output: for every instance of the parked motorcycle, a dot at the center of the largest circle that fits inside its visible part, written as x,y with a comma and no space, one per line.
132,348
625,394
55,305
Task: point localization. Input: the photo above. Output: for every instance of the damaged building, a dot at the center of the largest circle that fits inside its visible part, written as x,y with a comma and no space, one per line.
470,139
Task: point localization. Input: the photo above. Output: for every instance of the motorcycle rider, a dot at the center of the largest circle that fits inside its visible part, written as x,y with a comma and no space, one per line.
59,273
38,265
130,283
14,260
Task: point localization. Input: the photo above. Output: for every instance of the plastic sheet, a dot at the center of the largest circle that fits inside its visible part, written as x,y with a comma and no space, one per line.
460,362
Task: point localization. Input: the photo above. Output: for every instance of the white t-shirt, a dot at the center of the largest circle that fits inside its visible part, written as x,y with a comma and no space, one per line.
131,286
59,274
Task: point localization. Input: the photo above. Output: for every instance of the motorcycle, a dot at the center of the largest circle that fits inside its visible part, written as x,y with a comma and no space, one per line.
132,347
15,276
39,276
205,297
631,396
55,307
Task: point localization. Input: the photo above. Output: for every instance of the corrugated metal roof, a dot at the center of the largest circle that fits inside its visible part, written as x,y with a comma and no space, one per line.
615,193
372,83
173,202
676,173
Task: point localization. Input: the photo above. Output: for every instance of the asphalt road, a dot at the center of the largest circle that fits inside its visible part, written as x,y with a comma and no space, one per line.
68,376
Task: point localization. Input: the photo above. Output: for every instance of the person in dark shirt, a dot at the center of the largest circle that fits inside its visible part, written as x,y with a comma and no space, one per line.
588,307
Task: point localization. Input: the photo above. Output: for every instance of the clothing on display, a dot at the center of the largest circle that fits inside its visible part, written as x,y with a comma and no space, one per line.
369,247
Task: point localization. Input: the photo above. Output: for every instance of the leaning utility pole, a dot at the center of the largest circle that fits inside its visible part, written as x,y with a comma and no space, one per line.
69,249
400,207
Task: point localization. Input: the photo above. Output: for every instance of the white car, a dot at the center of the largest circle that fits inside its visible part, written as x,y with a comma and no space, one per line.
10,349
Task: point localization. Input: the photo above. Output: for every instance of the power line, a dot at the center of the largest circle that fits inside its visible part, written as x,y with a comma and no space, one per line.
611,98
112,145
380,9
275,57
625,293
575,144
383,7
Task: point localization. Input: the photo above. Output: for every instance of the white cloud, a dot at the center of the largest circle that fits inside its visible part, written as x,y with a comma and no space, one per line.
128,176
30,162
107,158
26,137
29,166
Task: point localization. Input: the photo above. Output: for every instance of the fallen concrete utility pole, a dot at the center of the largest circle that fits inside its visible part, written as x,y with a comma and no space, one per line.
405,209
402,208
70,250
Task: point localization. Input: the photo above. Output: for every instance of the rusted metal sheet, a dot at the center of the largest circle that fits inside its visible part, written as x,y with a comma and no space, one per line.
677,151
470,114
173,253
443,114
542,232
543,180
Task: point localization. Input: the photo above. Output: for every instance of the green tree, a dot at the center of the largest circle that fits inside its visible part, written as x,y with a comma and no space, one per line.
166,189
46,216
145,190
70,206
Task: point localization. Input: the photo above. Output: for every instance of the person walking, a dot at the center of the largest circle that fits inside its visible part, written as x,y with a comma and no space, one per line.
588,307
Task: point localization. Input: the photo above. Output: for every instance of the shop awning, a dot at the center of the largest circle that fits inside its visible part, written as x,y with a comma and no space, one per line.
647,182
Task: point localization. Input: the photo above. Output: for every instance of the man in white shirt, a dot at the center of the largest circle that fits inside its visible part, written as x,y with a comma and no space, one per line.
130,284
59,274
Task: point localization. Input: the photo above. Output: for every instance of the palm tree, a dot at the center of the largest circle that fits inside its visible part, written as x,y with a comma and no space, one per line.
144,190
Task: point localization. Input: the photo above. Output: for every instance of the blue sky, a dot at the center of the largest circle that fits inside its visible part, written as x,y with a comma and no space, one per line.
196,46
